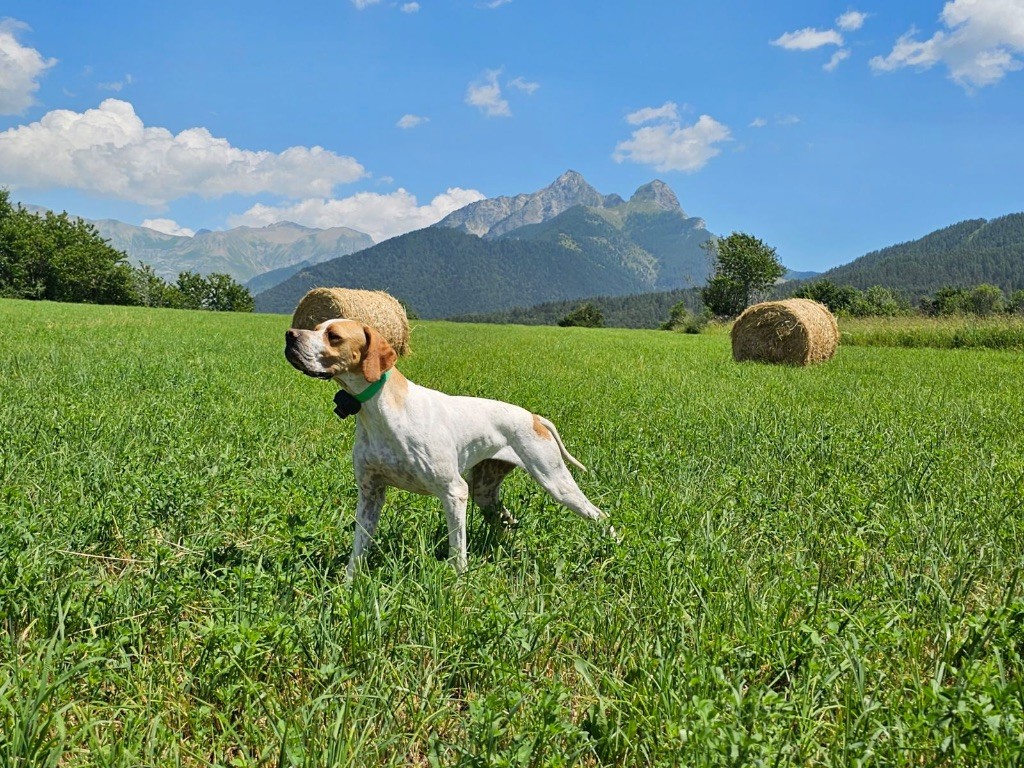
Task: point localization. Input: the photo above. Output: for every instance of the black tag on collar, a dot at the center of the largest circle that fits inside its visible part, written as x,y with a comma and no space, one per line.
346,405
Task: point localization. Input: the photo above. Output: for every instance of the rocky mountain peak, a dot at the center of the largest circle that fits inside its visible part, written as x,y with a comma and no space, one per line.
572,189
659,193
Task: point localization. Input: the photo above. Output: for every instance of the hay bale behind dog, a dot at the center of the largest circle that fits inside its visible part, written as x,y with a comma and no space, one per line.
793,332
375,308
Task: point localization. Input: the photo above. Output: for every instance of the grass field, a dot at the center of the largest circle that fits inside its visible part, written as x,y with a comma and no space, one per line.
819,566
955,332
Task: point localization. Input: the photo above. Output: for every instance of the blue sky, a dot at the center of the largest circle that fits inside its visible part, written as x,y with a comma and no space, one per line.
827,129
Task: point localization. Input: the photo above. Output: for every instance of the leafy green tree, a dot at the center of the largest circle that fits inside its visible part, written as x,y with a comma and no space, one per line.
216,291
838,298
192,288
677,317
584,316
223,294
950,300
879,301
153,291
59,258
1015,303
744,268
985,300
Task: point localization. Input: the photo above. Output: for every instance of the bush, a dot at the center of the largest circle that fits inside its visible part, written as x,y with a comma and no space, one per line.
838,298
878,301
696,323
584,316
681,319
986,300
677,317
1015,304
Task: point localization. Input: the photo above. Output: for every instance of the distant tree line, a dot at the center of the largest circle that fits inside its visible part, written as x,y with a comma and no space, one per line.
877,301
970,253
55,257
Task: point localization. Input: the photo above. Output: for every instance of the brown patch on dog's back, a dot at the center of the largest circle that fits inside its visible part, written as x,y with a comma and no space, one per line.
540,429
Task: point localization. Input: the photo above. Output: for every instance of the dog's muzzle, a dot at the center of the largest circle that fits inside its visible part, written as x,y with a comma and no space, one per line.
293,354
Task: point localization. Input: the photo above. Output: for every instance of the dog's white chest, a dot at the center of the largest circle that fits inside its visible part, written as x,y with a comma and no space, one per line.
403,464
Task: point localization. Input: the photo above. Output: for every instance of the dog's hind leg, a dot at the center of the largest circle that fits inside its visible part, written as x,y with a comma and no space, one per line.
542,458
485,488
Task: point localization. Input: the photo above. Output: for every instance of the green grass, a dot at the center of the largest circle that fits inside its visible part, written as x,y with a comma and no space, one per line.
956,332
819,566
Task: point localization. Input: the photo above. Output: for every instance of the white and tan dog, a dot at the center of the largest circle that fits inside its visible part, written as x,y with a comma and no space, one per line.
425,441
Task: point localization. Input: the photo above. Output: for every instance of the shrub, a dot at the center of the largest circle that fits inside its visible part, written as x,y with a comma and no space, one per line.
1015,304
985,300
584,316
838,298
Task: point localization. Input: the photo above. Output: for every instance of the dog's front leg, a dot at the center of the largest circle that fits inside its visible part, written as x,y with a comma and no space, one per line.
455,500
371,500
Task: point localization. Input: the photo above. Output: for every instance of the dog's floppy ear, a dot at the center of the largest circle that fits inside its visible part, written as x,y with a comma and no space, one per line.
378,356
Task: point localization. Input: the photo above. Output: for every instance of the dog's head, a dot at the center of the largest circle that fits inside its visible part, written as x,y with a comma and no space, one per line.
339,346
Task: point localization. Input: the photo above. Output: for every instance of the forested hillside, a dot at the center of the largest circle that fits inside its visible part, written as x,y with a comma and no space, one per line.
645,310
966,254
441,272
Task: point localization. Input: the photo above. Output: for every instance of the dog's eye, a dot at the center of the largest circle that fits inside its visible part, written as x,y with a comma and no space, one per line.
333,337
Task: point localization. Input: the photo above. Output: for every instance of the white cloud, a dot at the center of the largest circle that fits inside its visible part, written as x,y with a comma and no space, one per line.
787,120
411,121
524,85
116,86
808,39
670,147
494,3
851,21
758,122
109,151
980,45
410,7
361,4
667,111
20,69
841,55
168,227
380,216
485,95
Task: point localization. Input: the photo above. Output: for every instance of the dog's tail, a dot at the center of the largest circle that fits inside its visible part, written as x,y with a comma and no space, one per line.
561,446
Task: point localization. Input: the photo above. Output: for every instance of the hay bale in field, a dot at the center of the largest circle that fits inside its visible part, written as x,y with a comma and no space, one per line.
375,308
794,332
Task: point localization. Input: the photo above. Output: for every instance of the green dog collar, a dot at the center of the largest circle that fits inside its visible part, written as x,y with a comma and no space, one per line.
373,389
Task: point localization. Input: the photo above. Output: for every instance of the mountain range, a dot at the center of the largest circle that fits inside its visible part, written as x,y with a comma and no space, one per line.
564,241
245,253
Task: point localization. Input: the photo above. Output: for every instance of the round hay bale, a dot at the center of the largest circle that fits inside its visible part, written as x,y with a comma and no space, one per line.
792,332
375,308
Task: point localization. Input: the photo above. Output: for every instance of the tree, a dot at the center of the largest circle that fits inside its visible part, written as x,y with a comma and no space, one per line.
153,291
985,300
216,291
677,317
223,294
744,268
879,301
838,298
1015,303
584,316
58,258
950,300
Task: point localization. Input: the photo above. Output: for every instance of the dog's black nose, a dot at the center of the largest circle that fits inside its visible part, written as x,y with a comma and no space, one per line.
291,334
